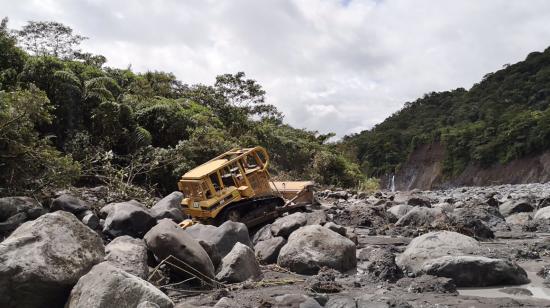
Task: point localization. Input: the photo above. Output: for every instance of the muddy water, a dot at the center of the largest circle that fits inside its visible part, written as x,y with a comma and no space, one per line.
536,287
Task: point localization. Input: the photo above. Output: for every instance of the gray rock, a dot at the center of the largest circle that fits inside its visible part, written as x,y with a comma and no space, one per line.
169,207
336,228
127,218
167,238
10,206
380,265
543,213
427,283
69,204
515,206
90,220
212,252
419,201
312,247
147,304
517,291
106,286
350,233
419,216
400,210
468,225
317,217
490,215
433,245
13,222
267,251
226,302
264,233
43,259
239,265
341,302
16,210
295,301
224,237
284,226
205,235
519,219
476,271
128,254
341,194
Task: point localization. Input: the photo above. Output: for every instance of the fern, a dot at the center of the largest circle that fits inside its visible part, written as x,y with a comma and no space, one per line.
68,77
141,137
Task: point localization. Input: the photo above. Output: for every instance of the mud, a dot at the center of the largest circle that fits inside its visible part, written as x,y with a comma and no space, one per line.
377,237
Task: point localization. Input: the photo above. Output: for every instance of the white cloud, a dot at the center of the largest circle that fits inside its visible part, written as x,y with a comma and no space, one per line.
329,65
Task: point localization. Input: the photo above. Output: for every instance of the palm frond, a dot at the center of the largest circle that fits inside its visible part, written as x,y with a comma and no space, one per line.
68,77
100,93
101,82
141,137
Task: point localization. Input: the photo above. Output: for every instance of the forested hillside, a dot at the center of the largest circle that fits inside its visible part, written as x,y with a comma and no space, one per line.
504,117
67,119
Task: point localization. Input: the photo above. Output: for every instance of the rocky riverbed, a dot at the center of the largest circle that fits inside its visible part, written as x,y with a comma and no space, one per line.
465,247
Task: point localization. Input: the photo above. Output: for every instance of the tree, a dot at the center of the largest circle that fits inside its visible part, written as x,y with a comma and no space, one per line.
245,94
28,163
49,38
12,58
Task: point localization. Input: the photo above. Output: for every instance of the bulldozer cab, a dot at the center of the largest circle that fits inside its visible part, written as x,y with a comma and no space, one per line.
236,185
230,177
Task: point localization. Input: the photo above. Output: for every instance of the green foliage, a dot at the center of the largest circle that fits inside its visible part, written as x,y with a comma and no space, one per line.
334,169
27,161
49,38
502,118
369,185
12,58
68,120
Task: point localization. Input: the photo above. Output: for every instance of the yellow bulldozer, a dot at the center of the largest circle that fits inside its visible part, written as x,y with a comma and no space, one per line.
236,186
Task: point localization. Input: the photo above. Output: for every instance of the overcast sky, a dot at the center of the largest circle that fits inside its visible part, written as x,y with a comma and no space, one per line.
329,65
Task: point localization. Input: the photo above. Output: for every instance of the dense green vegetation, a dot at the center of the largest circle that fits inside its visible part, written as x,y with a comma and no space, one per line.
504,117
66,119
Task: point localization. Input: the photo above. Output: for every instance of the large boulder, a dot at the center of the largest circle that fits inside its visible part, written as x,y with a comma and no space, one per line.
379,265
239,265
519,219
106,286
312,247
420,216
476,271
317,217
400,210
16,210
43,259
69,203
543,213
510,207
295,301
204,235
267,251
224,237
262,234
128,254
336,228
169,207
341,302
468,225
488,214
285,225
127,218
168,239
419,201
10,206
433,245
